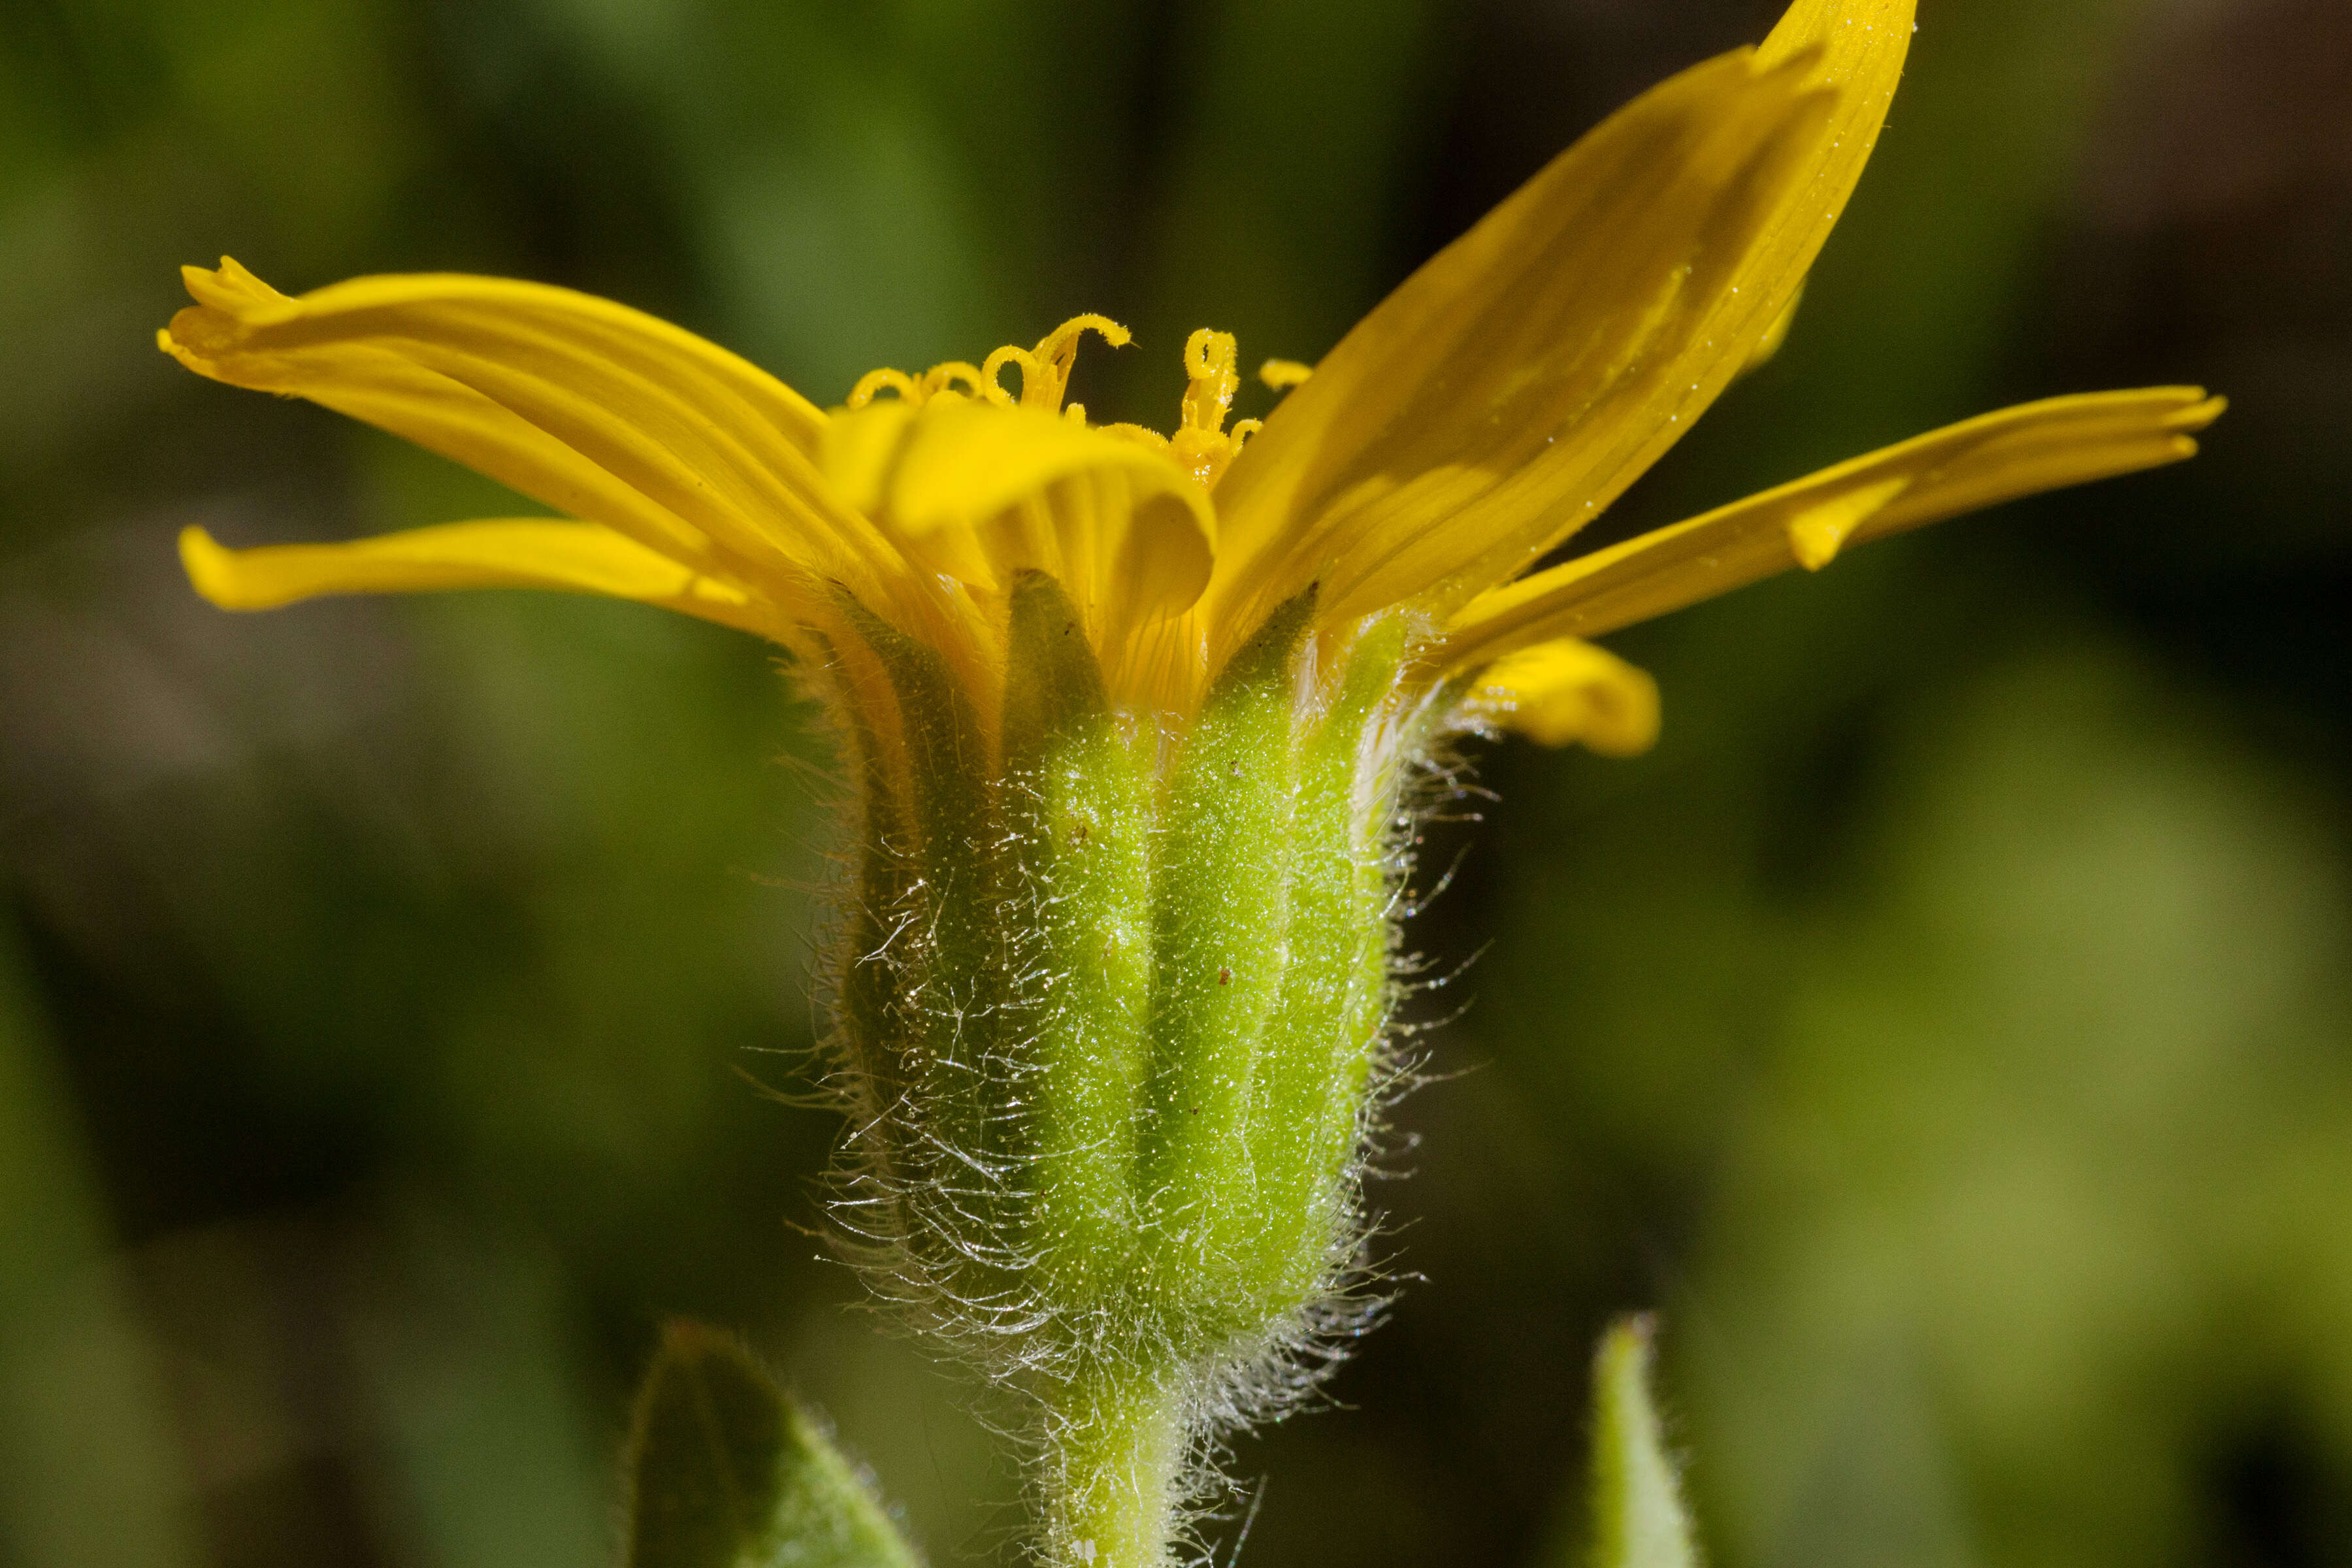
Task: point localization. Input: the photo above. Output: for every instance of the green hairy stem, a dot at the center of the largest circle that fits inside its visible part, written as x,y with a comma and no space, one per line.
1112,1006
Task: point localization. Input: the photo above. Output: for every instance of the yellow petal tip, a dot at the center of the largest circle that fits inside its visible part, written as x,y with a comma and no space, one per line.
234,290
2201,413
1569,692
211,570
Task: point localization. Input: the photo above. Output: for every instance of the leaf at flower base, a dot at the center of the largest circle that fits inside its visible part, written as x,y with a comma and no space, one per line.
726,1471
1638,1520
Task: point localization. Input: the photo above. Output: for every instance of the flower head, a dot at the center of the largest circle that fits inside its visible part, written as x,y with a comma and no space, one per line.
1133,712
1489,409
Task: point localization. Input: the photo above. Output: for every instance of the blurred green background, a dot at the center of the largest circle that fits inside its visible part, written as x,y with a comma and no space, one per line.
1948,1027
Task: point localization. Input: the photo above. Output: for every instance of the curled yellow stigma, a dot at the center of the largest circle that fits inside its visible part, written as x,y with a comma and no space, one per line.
1044,370
1202,445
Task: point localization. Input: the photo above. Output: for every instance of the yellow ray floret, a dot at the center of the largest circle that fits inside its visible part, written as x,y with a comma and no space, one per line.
502,553
1517,383
1567,692
1486,405
597,410
1474,421
1990,459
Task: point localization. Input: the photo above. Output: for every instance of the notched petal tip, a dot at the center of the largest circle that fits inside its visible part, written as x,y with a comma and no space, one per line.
229,302
2202,411
208,285
231,288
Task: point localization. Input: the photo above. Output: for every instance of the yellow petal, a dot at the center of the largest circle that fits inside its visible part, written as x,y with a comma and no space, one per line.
1992,457
1857,47
504,553
589,406
1565,691
1514,385
1491,396
980,491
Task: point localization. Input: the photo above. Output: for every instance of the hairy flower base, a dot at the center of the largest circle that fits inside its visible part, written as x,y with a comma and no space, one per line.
1112,1003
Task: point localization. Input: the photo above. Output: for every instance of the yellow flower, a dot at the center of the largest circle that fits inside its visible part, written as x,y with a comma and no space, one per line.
1134,716
1468,426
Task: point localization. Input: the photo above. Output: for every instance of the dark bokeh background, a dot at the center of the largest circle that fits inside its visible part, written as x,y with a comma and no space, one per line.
1949,1026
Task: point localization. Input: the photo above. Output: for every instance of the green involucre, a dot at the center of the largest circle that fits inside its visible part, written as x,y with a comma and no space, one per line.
1112,1003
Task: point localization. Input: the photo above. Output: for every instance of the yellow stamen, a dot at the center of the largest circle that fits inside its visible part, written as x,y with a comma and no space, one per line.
1200,444
874,381
1282,374
1044,370
1144,433
1209,360
1038,387
1057,350
942,378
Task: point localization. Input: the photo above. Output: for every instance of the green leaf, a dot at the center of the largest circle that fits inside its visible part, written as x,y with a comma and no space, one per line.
1637,1509
726,1471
